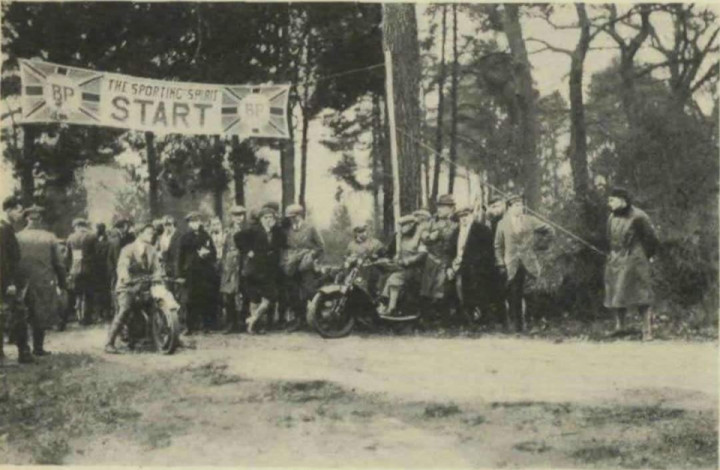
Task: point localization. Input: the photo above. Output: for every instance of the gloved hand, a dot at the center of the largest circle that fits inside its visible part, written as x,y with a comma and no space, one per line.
11,290
502,270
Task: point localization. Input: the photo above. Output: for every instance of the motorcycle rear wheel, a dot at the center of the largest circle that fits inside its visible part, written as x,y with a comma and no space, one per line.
165,330
328,318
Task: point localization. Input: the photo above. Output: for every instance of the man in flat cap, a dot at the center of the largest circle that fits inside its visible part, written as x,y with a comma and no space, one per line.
13,314
118,237
305,245
473,266
42,268
364,246
633,243
83,248
196,264
263,245
516,240
436,237
137,260
410,260
230,272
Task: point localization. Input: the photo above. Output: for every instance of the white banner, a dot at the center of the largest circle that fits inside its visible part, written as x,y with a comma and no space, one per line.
56,93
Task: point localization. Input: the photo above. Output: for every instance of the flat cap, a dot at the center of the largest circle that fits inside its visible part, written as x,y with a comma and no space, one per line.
194,215
359,229
622,193
446,200
514,199
265,210
294,209
422,213
238,209
464,210
406,219
80,222
34,209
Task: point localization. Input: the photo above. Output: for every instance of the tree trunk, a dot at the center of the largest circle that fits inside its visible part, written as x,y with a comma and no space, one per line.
26,165
400,37
454,107
441,112
578,129
526,133
387,181
238,173
376,155
303,157
219,186
287,150
152,167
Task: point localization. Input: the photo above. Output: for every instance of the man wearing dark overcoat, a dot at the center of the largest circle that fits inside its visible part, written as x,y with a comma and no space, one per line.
633,243
263,245
473,267
41,267
83,248
13,315
197,260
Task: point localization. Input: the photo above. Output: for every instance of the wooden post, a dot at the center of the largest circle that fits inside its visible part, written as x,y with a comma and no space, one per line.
393,146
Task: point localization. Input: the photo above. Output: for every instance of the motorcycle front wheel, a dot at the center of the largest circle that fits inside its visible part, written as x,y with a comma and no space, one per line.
330,317
165,330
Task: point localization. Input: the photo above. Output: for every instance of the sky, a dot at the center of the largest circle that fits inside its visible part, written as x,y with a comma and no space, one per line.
549,72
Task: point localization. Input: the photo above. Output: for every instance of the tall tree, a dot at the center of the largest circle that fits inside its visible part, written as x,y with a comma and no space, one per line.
440,112
454,102
401,39
526,131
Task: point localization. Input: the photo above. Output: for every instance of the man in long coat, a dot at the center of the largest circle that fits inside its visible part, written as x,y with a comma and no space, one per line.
12,312
118,237
263,245
197,260
516,240
83,246
633,243
473,268
42,268
304,247
103,290
230,272
436,236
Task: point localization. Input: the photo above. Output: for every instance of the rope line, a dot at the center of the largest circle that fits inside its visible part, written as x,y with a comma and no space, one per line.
506,194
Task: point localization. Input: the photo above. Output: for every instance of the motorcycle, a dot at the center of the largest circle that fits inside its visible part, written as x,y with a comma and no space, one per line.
155,322
338,307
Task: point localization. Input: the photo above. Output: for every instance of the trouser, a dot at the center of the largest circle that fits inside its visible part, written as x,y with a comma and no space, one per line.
516,287
13,320
234,317
38,339
258,313
125,302
646,315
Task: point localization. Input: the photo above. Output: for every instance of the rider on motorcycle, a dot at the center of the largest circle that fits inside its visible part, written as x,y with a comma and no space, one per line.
410,260
139,260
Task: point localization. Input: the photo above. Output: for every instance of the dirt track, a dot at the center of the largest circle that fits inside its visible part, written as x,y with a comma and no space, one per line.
407,401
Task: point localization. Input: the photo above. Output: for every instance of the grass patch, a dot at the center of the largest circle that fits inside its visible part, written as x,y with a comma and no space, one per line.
211,373
440,410
61,398
305,391
631,414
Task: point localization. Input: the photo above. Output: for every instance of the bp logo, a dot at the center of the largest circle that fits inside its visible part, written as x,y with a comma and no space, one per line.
62,96
255,110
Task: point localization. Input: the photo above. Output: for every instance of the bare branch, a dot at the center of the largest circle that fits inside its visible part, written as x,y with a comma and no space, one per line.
711,73
549,46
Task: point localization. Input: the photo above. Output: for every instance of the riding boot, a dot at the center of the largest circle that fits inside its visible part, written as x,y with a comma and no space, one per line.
38,342
393,296
619,319
647,317
113,333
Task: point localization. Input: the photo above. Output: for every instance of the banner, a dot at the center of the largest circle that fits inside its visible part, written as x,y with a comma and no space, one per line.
55,93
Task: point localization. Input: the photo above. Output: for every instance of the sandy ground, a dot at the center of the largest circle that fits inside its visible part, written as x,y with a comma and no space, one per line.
503,401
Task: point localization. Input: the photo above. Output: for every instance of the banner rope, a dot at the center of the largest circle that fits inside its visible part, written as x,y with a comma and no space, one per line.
506,194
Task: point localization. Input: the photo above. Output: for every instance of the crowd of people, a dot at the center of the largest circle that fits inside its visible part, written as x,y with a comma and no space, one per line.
472,264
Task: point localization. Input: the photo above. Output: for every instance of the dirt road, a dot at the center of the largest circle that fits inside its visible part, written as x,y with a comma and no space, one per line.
295,399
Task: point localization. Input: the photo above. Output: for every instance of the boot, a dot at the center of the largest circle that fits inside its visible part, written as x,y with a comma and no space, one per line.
25,355
114,332
38,342
647,334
